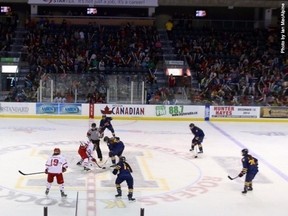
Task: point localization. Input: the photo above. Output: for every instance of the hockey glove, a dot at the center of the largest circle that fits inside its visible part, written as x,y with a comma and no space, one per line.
46,171
63,169
111,154
240,174
115,171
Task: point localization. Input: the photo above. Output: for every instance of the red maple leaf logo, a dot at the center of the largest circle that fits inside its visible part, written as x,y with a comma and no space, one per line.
106,110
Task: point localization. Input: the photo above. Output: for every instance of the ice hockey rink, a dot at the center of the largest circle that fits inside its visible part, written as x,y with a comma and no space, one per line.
169,181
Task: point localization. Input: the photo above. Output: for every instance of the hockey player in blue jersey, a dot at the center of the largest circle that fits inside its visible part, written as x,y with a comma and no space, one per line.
105,122
123,171
250,168
197,139
116,148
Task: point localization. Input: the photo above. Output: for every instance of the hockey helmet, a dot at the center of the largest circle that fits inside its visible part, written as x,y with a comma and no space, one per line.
93,125
56,151
244,152
191,125
106,139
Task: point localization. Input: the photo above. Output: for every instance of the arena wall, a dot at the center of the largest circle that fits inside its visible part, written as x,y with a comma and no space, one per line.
144,112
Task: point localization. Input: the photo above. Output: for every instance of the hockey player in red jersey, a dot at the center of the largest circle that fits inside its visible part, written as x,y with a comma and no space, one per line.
85,151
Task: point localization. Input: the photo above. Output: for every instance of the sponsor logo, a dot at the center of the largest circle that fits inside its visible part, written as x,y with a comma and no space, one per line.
47,109
14,109
70,109
124,110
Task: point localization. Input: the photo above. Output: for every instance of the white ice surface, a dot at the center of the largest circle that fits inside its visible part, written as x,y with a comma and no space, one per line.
168,180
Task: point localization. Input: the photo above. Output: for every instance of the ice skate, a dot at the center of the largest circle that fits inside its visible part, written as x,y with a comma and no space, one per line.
63,194
245,190
86,169
47,191
250,188
118,195
130,198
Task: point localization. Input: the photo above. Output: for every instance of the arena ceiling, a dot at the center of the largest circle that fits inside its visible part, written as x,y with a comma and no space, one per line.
205,3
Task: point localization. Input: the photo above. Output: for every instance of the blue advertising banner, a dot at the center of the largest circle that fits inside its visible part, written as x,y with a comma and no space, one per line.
58,109
70,109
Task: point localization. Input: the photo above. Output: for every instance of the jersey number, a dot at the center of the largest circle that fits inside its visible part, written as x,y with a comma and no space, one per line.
54,162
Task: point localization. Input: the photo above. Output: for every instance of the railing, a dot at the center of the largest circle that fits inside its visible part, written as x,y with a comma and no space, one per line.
114,88
103,20
124,88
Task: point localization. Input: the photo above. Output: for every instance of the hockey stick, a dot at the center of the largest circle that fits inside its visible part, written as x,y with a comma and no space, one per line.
101,167
232,178
106,161
104,167
35,173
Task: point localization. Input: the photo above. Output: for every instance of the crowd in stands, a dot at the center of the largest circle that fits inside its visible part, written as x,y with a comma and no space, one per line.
6,35
88,49
232,67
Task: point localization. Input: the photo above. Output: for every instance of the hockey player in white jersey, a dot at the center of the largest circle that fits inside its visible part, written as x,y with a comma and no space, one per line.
56,165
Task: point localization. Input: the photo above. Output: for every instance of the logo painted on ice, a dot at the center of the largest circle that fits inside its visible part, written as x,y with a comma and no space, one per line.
195,186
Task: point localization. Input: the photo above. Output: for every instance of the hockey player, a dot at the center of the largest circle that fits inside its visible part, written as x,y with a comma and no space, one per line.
250,168
93,135
85,151
105,122
56,165
116,148
197,139
123,171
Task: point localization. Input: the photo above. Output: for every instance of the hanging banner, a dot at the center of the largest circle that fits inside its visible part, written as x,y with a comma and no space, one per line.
126,3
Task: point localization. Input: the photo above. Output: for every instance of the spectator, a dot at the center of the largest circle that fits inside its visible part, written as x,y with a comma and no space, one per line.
169,25
172,83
